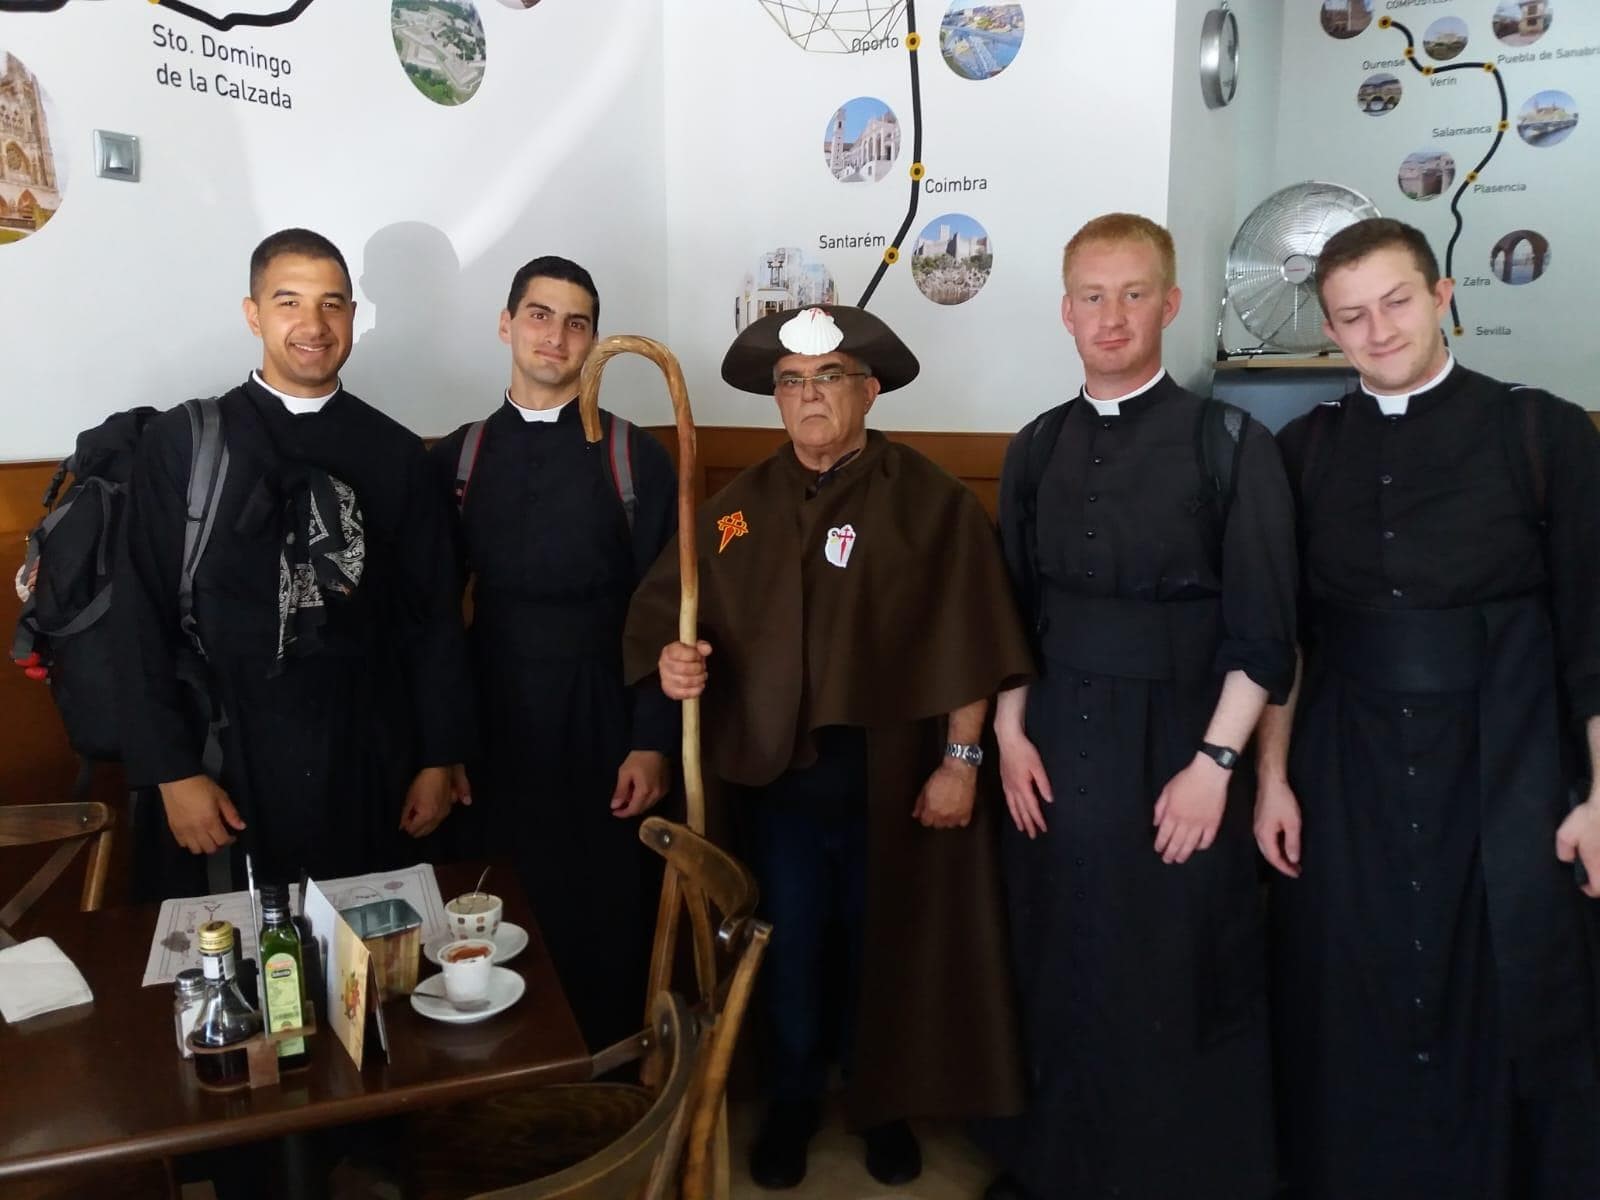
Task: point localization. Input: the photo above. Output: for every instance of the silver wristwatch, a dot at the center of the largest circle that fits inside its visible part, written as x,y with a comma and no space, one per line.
971,755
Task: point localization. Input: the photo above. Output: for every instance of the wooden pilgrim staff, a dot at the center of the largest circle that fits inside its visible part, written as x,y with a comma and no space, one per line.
688,564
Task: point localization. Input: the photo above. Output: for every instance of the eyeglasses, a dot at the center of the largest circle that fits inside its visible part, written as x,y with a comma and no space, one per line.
826,381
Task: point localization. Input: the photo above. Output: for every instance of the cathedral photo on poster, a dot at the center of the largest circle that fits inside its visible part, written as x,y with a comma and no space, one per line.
31,176
862,141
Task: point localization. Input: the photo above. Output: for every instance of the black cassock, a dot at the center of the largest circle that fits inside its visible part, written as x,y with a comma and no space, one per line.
1434,964
1143,984
543,534
319,748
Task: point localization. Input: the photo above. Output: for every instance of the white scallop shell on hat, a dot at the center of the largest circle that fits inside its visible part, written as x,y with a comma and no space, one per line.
810,332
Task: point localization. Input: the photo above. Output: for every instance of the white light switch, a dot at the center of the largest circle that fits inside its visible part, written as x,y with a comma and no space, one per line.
116,156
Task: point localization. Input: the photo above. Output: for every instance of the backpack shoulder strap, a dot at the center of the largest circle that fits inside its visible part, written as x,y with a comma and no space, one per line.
619,458
1221,436
207,471
1526,437
1041,446
471,443
1319,429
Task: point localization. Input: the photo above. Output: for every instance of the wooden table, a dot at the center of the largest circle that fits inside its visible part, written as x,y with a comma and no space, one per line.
103,1083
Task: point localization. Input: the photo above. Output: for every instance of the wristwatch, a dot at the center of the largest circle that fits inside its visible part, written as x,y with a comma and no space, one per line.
1224,756
971,755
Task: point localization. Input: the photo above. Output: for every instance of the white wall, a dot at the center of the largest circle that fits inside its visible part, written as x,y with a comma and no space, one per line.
131,293
1220,161
1065,132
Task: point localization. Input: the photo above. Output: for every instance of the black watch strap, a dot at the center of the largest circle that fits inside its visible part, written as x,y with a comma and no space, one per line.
1224,756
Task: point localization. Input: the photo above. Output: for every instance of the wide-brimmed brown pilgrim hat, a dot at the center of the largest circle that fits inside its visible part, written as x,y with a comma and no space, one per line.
823,329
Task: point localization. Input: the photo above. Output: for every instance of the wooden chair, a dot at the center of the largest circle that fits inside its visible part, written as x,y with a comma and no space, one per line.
642,1161
73,825
541,1133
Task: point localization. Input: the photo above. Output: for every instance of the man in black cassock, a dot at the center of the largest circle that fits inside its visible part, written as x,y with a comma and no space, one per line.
1434,957
571,757
1161,589
325,604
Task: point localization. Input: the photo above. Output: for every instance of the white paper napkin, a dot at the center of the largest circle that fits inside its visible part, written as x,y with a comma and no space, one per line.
35,977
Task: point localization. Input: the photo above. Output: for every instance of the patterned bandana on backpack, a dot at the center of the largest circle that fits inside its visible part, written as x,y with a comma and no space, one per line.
63,634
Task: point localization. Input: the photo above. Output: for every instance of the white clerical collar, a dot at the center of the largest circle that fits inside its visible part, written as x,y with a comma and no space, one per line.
1112,408
531,415
1396,406
298,405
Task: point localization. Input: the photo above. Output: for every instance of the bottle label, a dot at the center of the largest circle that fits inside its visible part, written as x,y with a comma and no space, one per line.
217,966
283,1000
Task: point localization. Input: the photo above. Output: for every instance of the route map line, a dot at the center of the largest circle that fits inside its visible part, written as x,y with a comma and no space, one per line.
892,254
223,24
1472,175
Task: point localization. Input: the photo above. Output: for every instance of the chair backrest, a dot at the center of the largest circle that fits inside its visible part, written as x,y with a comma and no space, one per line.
700,878
644,1160
73,825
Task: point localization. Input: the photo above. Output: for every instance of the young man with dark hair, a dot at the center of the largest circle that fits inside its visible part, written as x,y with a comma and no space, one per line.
1150,538
324,605
1437,1020
555,533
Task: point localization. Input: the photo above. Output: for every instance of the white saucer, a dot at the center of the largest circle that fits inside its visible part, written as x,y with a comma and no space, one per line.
505,989
509,941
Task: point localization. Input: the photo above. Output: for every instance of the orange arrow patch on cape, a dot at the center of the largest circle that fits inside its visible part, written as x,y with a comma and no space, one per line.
731,526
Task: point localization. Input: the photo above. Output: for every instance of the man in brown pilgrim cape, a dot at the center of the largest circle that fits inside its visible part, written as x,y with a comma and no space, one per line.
861,618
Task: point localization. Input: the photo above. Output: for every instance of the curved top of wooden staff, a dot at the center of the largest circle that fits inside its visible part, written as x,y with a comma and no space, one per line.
688,563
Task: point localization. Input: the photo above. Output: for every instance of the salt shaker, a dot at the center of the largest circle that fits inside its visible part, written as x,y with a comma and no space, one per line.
189,993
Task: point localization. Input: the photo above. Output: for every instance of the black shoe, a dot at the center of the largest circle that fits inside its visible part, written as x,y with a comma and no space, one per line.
778,1157
893,1155
1006,1186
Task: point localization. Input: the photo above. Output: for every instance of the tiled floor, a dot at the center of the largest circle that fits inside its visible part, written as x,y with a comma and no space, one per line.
952,1168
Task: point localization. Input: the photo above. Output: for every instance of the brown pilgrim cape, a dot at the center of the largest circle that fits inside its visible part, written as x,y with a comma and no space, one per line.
918,623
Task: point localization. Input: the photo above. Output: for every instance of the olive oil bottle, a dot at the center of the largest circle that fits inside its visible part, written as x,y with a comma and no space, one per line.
283,975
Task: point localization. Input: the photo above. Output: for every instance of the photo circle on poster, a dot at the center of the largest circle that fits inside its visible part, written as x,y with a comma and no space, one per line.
440,44
1522,256
1427,174
1346,18
978,41
34,178
952,259
779,280
1522,22
1379,94
1445,39
1547,119
519,3
862,140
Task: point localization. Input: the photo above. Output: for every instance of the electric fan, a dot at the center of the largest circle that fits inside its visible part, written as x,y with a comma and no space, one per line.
1270,281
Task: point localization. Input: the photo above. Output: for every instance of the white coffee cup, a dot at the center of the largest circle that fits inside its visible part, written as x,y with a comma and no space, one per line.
467,964
474,915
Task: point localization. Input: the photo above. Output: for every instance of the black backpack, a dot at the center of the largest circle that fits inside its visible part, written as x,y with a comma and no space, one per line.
63,634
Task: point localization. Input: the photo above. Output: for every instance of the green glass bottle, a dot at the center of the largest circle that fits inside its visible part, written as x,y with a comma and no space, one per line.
283,975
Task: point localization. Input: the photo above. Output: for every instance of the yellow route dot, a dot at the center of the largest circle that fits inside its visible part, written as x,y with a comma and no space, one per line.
1409,52
1504,125
1489,67
1385,22
913,42
1472,177
1427,70
917,171
891,256
1460,332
